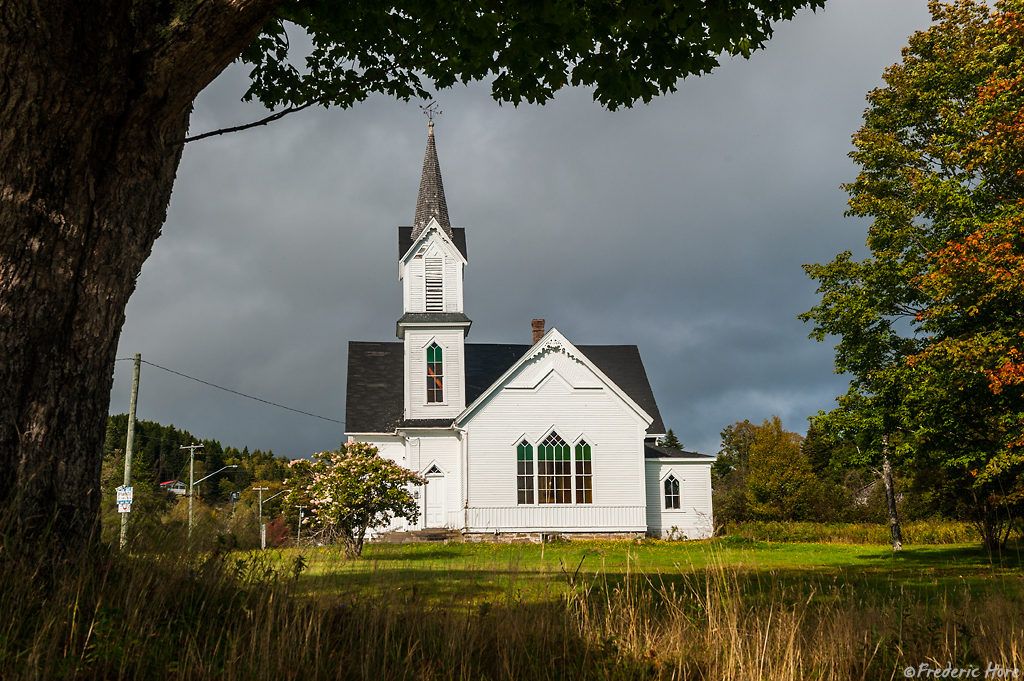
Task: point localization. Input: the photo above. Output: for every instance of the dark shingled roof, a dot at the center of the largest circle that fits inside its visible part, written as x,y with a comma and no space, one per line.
653,452
375,402
432,318
430,203
425,423
405,241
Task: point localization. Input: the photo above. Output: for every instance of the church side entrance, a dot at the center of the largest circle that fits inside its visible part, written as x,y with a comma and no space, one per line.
434,499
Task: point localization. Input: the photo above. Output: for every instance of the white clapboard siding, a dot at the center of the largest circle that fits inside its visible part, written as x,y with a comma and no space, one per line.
563,518
613,430
694,517
444,450
419,452
450,342
414,301
452,299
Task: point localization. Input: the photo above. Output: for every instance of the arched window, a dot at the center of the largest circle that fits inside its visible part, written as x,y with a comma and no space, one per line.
524,472
671,492
554,471
435,374
584,474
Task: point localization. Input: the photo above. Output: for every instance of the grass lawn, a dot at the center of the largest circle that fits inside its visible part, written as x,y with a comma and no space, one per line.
464,574
731,608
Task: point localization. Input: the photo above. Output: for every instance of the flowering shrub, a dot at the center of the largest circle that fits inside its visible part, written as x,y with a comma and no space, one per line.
351,490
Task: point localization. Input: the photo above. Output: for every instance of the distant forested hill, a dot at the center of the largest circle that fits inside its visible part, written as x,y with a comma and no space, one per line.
159,457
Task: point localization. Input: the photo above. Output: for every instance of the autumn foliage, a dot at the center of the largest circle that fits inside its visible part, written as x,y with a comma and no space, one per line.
930,324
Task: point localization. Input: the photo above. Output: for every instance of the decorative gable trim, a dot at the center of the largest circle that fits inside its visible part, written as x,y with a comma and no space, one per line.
670,470
567,366
432,228
429,469
553,341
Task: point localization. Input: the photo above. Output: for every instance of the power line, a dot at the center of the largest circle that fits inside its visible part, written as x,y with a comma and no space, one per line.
220,387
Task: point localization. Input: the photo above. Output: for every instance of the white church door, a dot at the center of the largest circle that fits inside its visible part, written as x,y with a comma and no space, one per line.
434,498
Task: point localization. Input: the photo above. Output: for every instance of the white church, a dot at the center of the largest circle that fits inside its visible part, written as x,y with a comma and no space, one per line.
515,441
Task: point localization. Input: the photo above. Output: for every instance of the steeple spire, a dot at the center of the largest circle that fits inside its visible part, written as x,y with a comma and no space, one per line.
431,203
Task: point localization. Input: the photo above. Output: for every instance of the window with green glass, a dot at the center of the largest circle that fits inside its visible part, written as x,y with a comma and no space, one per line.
554,471
524,472
584,474
435,374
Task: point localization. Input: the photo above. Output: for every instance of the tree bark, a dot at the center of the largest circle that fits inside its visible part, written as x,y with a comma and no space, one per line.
890,497
93,97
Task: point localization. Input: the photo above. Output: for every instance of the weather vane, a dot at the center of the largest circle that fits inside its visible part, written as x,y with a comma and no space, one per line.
431,110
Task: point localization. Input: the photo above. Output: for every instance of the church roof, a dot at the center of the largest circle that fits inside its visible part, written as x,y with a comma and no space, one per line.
375,400
655,452
458,235
430,203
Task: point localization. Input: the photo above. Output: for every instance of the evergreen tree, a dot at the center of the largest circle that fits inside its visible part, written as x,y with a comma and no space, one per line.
670,440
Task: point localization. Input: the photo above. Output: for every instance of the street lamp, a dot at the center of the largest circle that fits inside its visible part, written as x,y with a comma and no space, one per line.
263,528
191,493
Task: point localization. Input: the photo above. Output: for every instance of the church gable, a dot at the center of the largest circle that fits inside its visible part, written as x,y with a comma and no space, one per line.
433,235
569,370
431,273
555,358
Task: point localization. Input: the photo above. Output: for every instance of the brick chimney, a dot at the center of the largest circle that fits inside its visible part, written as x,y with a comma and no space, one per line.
538,330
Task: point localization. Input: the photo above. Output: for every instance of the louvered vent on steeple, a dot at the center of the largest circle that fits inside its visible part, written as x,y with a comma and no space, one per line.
434,284
431,203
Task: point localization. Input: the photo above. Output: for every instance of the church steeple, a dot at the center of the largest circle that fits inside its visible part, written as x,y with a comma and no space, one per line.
430,203
434,326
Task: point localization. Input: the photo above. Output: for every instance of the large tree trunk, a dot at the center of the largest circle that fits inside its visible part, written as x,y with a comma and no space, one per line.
890,497
94,99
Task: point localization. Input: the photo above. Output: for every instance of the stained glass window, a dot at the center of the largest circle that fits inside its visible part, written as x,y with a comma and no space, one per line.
524,472
435,374
671,492
554,471
584,474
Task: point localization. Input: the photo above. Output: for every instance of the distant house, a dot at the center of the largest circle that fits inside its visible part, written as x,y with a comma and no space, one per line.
174,487
514,439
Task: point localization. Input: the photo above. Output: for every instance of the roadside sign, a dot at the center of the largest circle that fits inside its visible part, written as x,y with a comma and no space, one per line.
125,494
124,507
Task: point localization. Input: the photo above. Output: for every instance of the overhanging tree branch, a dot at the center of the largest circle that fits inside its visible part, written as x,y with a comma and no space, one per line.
358,84
263,121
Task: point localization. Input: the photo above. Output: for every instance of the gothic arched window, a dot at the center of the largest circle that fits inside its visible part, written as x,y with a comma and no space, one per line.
584,474
671,492
554,471
435,374
524,472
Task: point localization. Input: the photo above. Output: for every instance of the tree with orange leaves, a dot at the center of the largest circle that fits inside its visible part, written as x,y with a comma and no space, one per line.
930,324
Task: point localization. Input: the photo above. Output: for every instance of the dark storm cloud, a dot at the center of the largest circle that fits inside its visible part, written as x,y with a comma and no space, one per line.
680,226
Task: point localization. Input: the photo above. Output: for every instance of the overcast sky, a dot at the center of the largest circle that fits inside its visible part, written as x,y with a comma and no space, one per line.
679,226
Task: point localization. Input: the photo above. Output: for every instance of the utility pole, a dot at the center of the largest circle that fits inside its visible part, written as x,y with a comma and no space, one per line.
263,528
299,538
191,477
130,444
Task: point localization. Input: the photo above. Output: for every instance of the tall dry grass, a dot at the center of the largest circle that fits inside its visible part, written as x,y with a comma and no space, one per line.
930,532
720,625
236,616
